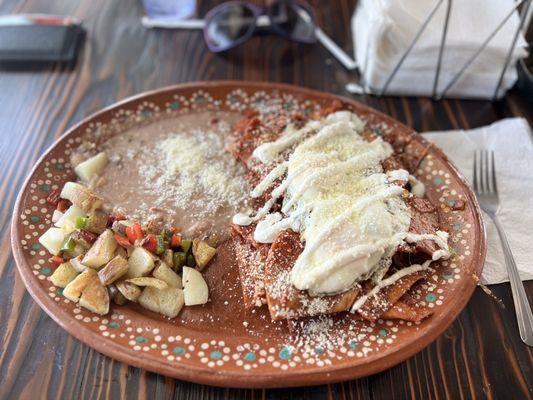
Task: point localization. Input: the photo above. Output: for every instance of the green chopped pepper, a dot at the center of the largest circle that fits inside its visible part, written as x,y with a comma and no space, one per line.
186,245
179,259
191,262
81,222
68,244
162,245
167,234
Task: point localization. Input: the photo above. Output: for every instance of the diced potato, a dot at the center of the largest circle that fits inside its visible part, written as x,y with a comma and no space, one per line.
121,251
56,216
102,251
167,275
203,253
113,270
128,290
81,196
96,222
77,265
95,298
141,263
195,288
63,275
74,289
52,240
167,257
148,281
68,221
168,301
149,299
92,167
171,301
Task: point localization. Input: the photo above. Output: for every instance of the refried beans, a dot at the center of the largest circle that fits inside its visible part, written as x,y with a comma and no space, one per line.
176,172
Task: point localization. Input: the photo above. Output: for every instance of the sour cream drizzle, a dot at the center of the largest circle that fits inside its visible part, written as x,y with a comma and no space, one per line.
398,175
391,280
268,152
440,238
337,196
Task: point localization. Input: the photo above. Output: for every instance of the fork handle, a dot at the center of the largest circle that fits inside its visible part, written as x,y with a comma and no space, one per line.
521,303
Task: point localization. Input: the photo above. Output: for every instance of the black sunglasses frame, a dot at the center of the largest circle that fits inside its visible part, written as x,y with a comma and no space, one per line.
256,13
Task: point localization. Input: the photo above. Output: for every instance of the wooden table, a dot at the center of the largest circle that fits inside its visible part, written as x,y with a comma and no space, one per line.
480,355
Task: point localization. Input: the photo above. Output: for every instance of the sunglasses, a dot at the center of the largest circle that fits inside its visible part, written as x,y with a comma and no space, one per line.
233,23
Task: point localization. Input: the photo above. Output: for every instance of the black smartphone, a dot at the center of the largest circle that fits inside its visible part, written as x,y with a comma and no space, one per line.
39,38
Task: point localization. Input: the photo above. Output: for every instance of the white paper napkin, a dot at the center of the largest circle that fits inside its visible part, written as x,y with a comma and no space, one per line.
383,29
512,143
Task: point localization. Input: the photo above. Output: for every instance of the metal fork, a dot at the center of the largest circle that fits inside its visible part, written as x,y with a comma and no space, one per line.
487,195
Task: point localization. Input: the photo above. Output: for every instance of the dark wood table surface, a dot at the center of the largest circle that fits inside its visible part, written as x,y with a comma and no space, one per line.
479,356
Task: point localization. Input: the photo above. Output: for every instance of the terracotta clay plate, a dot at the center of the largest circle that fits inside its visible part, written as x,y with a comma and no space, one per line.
220,343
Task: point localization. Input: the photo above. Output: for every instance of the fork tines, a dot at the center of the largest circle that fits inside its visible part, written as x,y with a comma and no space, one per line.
484,172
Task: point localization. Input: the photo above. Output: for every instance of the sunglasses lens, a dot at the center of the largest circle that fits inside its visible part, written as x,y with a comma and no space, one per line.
227,25
293,20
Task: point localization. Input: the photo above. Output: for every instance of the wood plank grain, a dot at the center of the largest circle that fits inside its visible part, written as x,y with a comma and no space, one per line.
479,356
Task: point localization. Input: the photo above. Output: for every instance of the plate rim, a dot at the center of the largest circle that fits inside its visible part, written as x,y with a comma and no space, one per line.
242,379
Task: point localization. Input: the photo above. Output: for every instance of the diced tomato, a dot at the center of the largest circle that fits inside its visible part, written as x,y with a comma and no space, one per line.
56,261
175,240
122,241
53,197
134,232
138,231
150,243
63,205
130,233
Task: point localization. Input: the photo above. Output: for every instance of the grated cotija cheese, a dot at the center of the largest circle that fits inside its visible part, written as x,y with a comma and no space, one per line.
193,167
